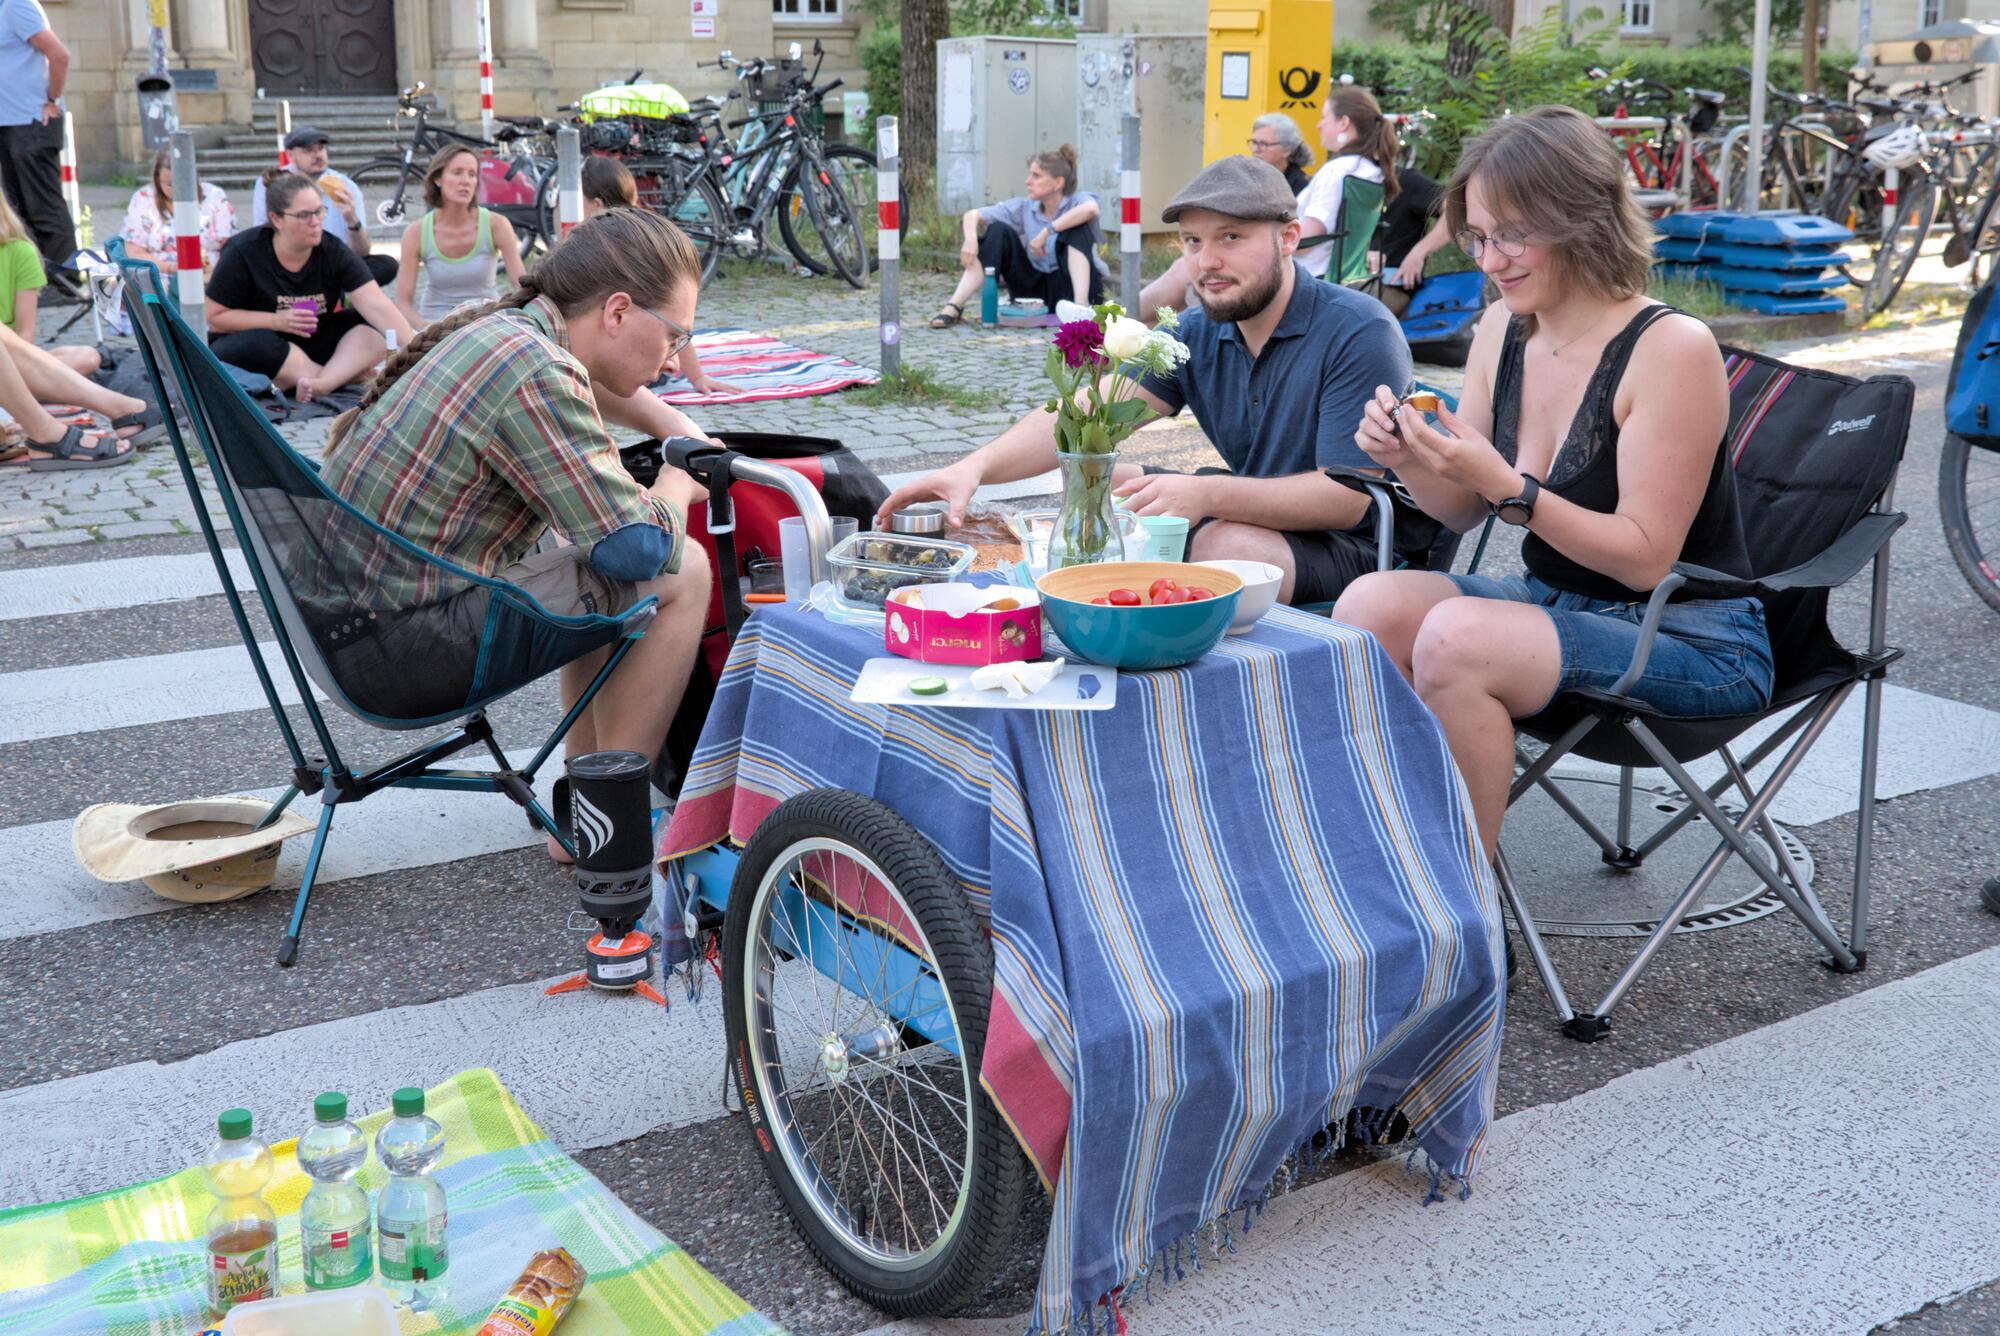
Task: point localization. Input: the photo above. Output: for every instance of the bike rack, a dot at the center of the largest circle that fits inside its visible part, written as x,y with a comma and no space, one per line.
1685,193
1723,191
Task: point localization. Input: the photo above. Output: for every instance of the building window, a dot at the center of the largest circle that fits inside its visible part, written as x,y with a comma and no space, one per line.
1638,16
1933,13
805,11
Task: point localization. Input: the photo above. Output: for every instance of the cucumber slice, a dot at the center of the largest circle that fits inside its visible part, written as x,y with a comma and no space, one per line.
929,686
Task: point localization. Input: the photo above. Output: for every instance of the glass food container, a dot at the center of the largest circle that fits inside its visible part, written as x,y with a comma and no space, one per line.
866,568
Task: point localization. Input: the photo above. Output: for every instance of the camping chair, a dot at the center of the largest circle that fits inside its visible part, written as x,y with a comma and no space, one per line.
1815,456
1353,230
318,565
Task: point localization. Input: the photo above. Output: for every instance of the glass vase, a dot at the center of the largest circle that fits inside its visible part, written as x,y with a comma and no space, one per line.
1086,528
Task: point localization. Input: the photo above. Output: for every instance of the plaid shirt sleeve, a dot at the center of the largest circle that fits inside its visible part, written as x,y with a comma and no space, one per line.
551,446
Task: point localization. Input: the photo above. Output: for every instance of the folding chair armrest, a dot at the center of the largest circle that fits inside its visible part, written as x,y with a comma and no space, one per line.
1834,566
1649,630
1382,494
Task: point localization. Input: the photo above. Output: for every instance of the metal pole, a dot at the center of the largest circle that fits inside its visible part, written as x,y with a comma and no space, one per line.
1760,65
486,67
889,240
1129,278
72,197
187,231
284,133
569,178
156,38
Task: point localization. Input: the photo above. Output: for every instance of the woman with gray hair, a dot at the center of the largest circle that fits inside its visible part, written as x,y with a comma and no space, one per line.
1275,138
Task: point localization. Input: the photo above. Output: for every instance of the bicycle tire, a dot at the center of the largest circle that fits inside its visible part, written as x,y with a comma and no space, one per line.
1985,256
1962,467
687,198
1897,249
385,181
854,168
832,215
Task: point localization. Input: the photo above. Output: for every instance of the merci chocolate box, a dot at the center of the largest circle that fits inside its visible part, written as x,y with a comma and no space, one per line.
964,624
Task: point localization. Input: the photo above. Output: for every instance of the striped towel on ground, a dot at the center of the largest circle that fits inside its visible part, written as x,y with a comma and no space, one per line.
761,368
130,1263
1243,902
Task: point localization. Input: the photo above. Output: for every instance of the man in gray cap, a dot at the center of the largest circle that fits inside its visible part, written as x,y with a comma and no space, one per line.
1280,365
346,210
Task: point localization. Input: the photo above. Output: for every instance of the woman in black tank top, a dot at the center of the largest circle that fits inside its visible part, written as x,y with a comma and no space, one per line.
1593,417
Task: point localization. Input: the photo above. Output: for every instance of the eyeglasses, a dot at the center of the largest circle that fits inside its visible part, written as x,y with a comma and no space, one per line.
1262,145
306,215
678,337
1509,244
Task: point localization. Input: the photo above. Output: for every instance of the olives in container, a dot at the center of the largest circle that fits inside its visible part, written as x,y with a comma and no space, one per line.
868,567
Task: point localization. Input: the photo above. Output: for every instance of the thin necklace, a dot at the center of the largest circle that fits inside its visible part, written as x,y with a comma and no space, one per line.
1558,351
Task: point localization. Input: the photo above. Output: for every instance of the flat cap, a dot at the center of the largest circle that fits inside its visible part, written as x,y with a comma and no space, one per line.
305,137
1238,186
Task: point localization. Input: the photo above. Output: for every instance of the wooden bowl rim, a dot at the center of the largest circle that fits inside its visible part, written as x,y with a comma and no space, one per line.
1105,576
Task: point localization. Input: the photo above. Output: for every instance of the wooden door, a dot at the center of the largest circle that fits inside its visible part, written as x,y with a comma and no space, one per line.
325,47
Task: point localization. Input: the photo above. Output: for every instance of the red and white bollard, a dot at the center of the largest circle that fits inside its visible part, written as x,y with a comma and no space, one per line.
284,133
486,68
187,230
72,197
1892,180
1130,280
569,178
889,239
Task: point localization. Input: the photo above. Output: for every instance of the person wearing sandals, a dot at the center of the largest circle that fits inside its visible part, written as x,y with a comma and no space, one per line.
1614,476
1041,245
50,444
430,284
608,185
289,302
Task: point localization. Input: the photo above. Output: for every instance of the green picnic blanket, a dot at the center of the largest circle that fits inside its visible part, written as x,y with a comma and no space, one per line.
129,1262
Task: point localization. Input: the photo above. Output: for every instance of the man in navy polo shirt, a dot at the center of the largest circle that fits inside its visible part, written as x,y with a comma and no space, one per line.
1279,369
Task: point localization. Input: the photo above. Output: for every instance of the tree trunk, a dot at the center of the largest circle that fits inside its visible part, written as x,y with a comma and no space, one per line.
1809,48
924,22
1461,54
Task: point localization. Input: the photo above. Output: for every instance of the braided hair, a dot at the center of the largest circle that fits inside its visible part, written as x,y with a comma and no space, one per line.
633,251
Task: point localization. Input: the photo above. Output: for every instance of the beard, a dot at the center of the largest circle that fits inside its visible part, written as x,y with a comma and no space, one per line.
1250,297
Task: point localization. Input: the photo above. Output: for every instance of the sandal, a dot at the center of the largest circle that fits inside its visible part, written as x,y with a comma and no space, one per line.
944,321
151,427
72,453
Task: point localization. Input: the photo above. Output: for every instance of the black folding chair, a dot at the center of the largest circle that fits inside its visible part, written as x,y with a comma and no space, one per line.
1815,456
320,567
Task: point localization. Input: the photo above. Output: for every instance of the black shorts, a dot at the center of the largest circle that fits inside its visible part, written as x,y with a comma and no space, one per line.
1005,251
264,350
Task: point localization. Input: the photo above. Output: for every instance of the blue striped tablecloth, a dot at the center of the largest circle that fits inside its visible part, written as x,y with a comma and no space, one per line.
1242,902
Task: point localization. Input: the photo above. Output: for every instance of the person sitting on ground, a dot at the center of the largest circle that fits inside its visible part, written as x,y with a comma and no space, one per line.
1041,245
22,279
1279,367
289,302
1615,477
49,445
486,431
347,209
608,185
1360,142
431,284
1275,138
149,219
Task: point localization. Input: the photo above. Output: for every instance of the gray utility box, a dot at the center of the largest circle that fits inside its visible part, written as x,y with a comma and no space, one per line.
1158,78
1001,99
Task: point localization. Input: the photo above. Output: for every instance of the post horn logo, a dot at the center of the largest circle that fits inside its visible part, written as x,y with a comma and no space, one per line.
1299,84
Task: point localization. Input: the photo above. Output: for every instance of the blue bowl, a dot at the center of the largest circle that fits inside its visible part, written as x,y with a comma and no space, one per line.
1137,638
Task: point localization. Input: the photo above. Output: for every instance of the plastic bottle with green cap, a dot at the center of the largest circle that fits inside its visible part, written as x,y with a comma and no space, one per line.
242,1232
333,1220
410,1218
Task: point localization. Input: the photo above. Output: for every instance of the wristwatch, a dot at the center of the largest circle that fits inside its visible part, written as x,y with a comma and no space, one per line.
1520,509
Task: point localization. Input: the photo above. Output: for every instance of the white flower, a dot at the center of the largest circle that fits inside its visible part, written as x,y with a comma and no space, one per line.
1124,337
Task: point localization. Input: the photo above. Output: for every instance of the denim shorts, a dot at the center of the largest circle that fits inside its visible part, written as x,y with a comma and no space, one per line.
1711,659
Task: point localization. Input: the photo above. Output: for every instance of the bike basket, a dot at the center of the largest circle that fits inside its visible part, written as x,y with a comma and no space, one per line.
654,101
775,82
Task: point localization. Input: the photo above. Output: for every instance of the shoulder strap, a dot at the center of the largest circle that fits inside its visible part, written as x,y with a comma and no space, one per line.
430,245
1621,354
1507,390
485,227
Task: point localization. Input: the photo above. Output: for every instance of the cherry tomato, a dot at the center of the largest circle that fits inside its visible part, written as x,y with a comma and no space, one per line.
1123,598
1100,599
1196,593
1160,586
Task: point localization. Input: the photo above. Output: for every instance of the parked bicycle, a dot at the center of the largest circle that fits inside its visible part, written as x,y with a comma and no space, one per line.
1661,159
515,180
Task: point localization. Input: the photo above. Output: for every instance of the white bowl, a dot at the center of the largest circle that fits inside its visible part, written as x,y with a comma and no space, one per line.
1260,590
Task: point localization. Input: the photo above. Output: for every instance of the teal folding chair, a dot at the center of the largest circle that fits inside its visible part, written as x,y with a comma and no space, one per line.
319,567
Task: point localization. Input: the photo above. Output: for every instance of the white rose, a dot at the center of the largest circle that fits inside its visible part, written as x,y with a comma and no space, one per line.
1124,337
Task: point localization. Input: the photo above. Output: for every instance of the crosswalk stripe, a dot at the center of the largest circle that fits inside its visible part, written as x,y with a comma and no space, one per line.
42,889
593,1069
1827,1173
144,689
122,582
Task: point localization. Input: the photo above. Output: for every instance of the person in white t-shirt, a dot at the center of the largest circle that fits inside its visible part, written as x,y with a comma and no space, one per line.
1359,142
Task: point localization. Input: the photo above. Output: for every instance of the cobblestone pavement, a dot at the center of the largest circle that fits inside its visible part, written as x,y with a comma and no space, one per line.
1000,369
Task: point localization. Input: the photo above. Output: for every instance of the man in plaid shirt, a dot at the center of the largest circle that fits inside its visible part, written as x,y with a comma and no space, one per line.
488,432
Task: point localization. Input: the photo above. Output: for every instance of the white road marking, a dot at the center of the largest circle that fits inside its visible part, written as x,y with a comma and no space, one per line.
1827,1174
147,689
123,582
593,1069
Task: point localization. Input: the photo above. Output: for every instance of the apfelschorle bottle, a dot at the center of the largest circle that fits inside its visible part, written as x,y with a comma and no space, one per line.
242,1233
410,1214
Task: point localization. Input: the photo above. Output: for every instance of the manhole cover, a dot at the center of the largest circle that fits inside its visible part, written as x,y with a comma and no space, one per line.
1573,893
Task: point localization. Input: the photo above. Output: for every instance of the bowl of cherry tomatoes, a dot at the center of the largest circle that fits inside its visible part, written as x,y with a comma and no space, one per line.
1140,614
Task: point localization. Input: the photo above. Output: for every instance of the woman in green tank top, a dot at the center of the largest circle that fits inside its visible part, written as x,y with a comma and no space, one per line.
452,253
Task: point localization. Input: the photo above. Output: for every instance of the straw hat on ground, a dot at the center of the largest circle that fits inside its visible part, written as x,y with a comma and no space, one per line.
196,852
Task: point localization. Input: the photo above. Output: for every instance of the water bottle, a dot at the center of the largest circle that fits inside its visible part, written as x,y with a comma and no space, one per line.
409,1213
989,299
242,1233
333,1221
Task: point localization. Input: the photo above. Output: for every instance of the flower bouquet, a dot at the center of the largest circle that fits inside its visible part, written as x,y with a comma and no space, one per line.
1095,367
